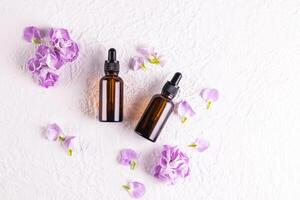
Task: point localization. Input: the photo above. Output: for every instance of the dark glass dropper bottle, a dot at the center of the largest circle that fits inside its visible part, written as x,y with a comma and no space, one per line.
158,110
111,91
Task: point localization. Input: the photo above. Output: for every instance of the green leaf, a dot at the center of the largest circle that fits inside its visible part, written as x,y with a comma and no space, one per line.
70,152
154,60
193,145
61,138
36,41
133,164
126,187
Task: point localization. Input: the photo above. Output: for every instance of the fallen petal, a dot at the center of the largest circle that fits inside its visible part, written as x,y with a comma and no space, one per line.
126,156
210,94
184,110
53,131
137,62
135,189
70,144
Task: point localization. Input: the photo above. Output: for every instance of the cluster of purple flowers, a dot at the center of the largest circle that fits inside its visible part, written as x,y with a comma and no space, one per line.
55,49
173,164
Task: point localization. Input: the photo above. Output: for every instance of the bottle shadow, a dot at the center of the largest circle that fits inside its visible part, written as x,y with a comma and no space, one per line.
139,104
90,101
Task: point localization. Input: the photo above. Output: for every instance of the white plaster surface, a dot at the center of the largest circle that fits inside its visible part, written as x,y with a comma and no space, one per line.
248,49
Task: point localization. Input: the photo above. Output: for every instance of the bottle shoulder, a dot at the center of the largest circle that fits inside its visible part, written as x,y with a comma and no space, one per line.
112,78
159,97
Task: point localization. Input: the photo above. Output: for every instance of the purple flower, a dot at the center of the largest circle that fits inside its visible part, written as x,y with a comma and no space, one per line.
34,65
48,57
210,95
69,143
46,77
53,132
63,45
137,62
128,157
32,34
184,110
200,144
153,56
173,164
135,189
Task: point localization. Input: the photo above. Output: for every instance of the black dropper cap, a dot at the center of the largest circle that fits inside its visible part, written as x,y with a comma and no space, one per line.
171,87
112,64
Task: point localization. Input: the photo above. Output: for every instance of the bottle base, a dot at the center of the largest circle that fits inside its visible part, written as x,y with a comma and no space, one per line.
140,134
110,121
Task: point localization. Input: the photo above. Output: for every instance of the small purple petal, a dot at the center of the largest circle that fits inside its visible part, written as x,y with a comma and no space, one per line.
202,144
53,131
184,110
146,51
210,94
69,142
126,156
32,34
136,189
136,62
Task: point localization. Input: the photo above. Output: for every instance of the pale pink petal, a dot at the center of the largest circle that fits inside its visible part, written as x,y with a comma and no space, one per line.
202,144
53,131
210,94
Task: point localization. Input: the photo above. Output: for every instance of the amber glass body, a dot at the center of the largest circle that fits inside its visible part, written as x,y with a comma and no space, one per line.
111,98
155,117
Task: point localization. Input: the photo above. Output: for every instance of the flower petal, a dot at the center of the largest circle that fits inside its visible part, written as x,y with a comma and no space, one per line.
136,189
32,34
70,144
184,109
53,131
136,62
146,51
48,57
202,144
126,156
46,78
210,94
58,33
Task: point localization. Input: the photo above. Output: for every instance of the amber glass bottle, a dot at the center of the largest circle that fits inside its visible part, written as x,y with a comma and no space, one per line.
111,91
158,110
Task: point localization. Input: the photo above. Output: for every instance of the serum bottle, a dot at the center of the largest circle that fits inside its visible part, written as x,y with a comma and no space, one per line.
111,91
158,110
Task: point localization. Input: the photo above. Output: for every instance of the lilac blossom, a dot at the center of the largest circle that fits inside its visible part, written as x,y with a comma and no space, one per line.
173,164
63,45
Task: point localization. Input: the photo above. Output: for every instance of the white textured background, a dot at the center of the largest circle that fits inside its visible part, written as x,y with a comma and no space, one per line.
248,49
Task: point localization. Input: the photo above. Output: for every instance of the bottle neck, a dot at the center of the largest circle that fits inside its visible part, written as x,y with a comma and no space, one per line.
111,73
167,95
